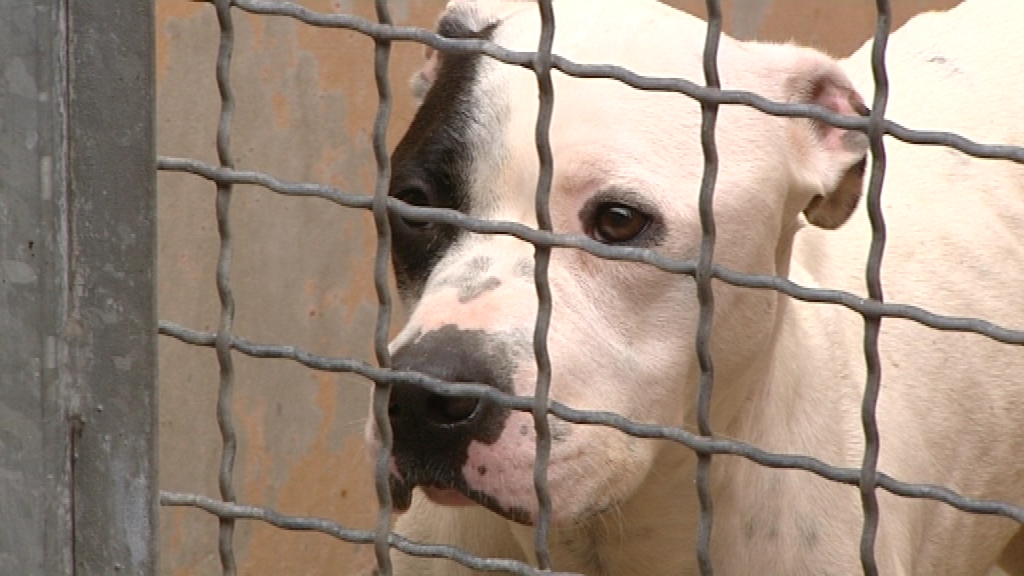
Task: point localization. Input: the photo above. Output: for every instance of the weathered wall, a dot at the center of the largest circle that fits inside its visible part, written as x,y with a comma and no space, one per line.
301,269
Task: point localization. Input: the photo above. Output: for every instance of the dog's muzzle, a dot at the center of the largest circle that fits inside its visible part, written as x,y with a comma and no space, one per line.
432,432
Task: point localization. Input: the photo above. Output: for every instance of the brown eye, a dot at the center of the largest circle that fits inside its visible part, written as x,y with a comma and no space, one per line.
414,197
616,223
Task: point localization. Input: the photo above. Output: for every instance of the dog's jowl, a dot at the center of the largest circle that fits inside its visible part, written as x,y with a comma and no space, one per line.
789,375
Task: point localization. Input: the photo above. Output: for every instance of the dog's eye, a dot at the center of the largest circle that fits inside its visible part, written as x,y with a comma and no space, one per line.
615,223
414,196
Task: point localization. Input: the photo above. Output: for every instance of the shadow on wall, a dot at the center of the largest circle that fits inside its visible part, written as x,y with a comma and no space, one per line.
301,270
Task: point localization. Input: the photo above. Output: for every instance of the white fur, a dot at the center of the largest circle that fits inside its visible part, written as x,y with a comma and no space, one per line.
789,375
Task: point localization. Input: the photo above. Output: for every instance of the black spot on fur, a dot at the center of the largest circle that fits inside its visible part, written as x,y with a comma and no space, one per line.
470,280
473,290
524,268
560,431
479,263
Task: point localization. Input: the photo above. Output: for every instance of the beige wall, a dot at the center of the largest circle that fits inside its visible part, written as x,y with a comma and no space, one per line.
301,269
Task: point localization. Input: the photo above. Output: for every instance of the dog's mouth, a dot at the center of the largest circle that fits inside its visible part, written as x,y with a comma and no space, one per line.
447,496
451,494
401,494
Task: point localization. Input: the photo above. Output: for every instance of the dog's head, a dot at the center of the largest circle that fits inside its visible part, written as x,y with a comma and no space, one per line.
627,168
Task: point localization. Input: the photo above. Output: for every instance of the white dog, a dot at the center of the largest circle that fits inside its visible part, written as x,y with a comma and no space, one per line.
789,375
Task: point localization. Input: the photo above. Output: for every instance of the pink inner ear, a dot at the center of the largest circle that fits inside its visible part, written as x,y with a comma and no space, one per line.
425,76
834,94
431,61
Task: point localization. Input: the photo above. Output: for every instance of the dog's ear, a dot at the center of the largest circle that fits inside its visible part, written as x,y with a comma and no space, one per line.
460,19
835,158
424,78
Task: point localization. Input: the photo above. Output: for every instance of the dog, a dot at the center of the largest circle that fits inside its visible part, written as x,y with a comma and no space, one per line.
789,376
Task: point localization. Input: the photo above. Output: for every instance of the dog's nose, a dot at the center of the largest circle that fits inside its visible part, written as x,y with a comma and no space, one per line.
413,404
429,426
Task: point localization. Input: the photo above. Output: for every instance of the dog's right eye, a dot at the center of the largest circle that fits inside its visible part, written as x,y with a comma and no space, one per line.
616,223
414,196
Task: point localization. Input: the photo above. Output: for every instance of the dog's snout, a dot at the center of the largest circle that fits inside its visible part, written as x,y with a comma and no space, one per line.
437,428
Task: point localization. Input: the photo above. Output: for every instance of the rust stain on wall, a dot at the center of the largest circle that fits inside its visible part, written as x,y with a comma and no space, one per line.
250,413
282,117
189,561
341,55
326,168
342,489
168,12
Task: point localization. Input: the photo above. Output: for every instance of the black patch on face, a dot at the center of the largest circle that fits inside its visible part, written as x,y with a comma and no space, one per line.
434,159
432,432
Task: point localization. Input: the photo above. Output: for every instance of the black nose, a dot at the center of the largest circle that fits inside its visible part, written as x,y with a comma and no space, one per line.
432,409
434,430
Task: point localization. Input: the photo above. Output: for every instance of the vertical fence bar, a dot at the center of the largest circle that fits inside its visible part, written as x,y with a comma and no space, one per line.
872,324
225,391
705,296
382,390
111,326
77,307
542,257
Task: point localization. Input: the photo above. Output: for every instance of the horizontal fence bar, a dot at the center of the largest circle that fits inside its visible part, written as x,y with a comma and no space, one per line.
695,442
620,253
234,511
627,77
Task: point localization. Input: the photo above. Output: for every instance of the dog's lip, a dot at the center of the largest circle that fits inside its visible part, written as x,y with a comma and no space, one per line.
447,496
401,494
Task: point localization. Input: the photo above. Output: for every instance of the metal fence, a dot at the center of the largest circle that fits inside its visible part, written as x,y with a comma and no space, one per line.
542,62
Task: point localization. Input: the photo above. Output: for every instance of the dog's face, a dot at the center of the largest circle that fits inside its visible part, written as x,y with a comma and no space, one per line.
628,166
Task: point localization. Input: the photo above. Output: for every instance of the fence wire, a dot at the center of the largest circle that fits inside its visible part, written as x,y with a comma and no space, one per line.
873,324
227,301
873,309
702,276
382,390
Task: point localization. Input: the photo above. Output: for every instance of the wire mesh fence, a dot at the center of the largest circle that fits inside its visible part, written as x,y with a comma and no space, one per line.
704,270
